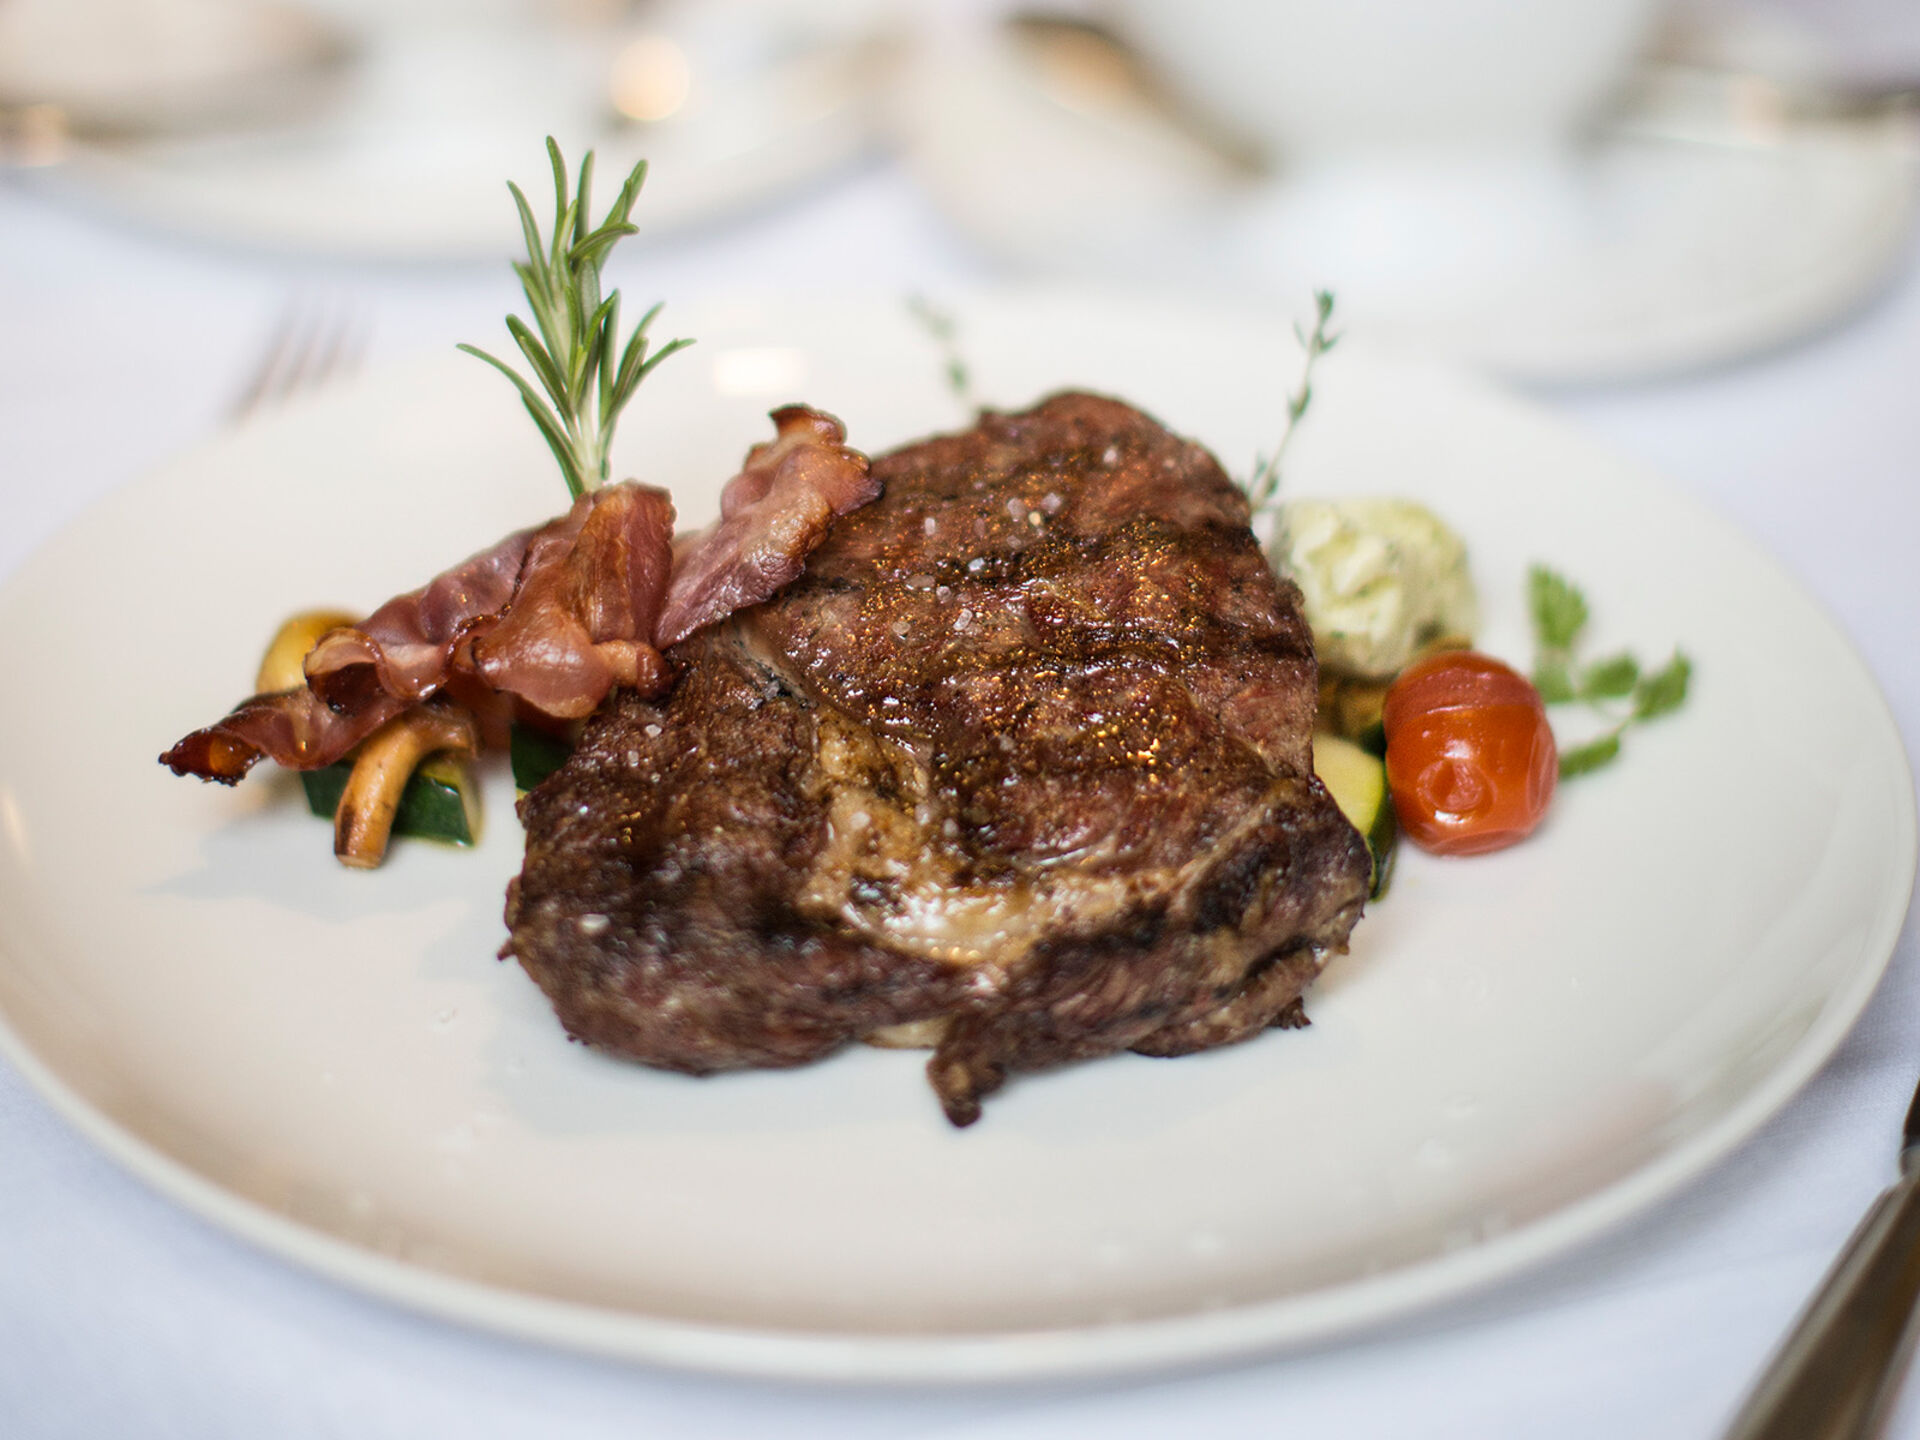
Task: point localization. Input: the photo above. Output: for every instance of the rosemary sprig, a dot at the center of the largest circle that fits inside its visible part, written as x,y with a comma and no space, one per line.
1615,687
586,377
1264,483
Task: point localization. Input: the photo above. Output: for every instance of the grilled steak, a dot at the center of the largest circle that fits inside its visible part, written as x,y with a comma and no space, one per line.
1020,767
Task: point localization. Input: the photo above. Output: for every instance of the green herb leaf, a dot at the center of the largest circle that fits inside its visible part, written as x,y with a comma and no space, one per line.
1583,759
944,330
1609,679
1559,616
1559,610
1264,483
1665,690
573,345
1553,680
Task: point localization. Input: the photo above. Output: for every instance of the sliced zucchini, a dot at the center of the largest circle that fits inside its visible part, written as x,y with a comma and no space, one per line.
283,666
1357,781
441,801
536,755
324,787
1350,708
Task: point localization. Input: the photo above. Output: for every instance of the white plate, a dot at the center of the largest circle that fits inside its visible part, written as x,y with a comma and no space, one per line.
1520,1049
1644,254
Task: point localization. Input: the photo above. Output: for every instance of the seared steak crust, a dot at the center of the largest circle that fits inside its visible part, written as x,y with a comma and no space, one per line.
1023,757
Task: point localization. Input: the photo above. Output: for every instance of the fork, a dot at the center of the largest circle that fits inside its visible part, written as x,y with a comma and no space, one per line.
310,344
1836,1375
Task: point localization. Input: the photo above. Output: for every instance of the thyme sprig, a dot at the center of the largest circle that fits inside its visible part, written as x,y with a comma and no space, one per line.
576,356
1615,686
944,331
1264,483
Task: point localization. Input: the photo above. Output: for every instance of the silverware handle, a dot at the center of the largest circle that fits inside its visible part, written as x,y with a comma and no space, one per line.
1835,1373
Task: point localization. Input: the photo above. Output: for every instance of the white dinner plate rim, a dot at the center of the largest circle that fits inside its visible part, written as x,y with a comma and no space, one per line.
1022,1355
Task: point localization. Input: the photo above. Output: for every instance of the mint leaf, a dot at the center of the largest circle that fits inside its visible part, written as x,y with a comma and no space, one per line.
1559,610
1590,756
1664,691
1610,679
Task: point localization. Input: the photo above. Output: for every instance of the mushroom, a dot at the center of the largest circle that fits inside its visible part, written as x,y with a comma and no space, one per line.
386,760
282,667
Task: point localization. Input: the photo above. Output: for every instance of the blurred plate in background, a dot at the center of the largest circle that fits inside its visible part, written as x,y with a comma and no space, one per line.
130,68
1657,247
731,107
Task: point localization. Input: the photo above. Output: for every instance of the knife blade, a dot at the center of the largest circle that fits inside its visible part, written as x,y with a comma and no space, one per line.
1836,1375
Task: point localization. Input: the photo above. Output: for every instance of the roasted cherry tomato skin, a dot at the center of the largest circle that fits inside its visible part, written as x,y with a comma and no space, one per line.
1470,756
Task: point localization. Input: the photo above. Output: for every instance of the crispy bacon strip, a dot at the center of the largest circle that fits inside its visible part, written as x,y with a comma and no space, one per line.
583,618
772,516
405,649
556,616
293,726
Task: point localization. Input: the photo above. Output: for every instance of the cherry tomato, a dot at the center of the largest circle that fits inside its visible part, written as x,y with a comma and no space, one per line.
1470,757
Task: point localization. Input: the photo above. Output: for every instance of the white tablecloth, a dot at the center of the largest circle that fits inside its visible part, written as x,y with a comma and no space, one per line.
121,1315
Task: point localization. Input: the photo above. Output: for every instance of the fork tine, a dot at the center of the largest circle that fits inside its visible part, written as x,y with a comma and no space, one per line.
309,344
273,358
308,362
344,346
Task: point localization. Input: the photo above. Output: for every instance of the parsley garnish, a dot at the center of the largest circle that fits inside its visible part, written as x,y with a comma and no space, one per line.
1615,686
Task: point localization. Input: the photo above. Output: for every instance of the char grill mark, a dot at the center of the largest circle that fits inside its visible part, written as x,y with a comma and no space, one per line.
1023,754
